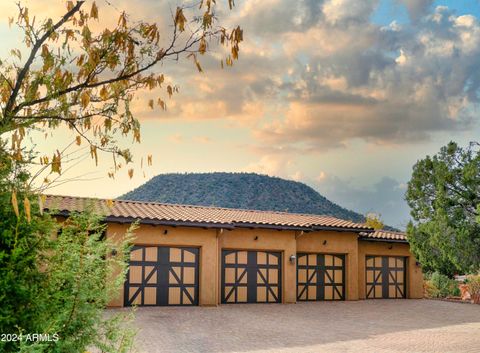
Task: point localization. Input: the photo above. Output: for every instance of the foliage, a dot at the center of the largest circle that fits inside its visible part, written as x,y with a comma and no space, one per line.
22,244
473,282
238,190
83,75
56,279
81,282
438,285
374,221
444,196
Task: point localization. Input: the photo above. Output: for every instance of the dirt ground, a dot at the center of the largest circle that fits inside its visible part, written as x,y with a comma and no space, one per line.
359,326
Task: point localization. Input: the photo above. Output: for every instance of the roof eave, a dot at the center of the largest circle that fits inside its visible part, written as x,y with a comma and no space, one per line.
404,241
343,229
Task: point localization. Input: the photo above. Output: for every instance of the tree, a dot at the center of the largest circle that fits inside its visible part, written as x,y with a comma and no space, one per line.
444,198
85,79
374,221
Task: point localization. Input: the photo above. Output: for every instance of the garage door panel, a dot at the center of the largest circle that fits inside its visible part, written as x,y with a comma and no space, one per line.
385,277
320,277
160,276
250,276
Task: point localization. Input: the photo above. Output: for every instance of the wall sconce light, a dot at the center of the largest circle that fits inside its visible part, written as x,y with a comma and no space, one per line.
292,259
417,264
256,237
324,242
114,252
390,247
165,232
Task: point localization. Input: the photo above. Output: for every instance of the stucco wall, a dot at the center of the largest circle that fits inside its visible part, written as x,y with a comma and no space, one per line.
414,272
212,241
335,243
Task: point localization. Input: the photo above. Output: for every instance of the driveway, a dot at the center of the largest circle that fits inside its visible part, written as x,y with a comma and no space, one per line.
361,326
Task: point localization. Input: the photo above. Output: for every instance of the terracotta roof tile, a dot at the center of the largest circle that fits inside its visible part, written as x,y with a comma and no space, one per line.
385,235
201,215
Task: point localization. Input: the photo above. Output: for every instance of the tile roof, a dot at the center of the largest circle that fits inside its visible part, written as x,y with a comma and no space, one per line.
160,213
385,235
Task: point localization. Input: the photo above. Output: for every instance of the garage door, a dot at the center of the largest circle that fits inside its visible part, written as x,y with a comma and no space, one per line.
320,277
160,275
385,277
251,276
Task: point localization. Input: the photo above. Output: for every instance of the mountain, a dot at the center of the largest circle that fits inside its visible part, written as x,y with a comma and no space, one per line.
238,190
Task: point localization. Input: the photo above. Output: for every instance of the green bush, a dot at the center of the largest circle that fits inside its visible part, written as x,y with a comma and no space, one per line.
56,279
438,285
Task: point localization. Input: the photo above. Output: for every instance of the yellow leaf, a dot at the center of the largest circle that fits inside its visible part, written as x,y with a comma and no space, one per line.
202,48
41,202
69,5
109,203
85,99
15,203
104,93
93,153
130,173
78,140
180,19
57,163
26,203
170,91
94,11
149,159
150,103
162,104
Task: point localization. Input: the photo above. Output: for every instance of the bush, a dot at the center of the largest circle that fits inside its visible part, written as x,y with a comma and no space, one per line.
56,279
473,283
437,285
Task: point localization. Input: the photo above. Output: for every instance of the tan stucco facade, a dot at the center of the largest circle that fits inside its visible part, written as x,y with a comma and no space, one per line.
211,242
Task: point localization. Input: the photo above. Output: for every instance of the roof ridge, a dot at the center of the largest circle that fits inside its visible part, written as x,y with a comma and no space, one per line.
200,206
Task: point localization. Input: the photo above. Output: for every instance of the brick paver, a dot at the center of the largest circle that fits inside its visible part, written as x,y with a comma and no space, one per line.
361,326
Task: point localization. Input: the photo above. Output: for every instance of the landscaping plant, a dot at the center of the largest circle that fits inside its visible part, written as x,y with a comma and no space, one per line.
56,279
437,285
473,283
443,195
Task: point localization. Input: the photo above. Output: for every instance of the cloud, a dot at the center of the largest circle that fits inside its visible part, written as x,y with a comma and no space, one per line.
384,85
416,8
271,164
386,197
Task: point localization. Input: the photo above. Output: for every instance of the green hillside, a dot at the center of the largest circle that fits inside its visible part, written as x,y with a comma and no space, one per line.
238,190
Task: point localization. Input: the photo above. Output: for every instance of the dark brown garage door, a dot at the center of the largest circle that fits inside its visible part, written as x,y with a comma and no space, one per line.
251,276
320,277
160,275
385,277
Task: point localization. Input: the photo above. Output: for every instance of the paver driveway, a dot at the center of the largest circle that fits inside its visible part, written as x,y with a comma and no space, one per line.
362,326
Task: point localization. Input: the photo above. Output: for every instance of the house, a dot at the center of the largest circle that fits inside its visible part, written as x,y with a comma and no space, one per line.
195,255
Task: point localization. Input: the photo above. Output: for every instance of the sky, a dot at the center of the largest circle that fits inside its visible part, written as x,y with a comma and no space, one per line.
343,95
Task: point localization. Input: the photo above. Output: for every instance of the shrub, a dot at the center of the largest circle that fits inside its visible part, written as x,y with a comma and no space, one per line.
440,286
473,283
56,285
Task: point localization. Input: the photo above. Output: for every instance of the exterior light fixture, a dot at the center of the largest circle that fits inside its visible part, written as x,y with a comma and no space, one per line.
324,242
390,247
292,259
256,237
114,252
165,232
